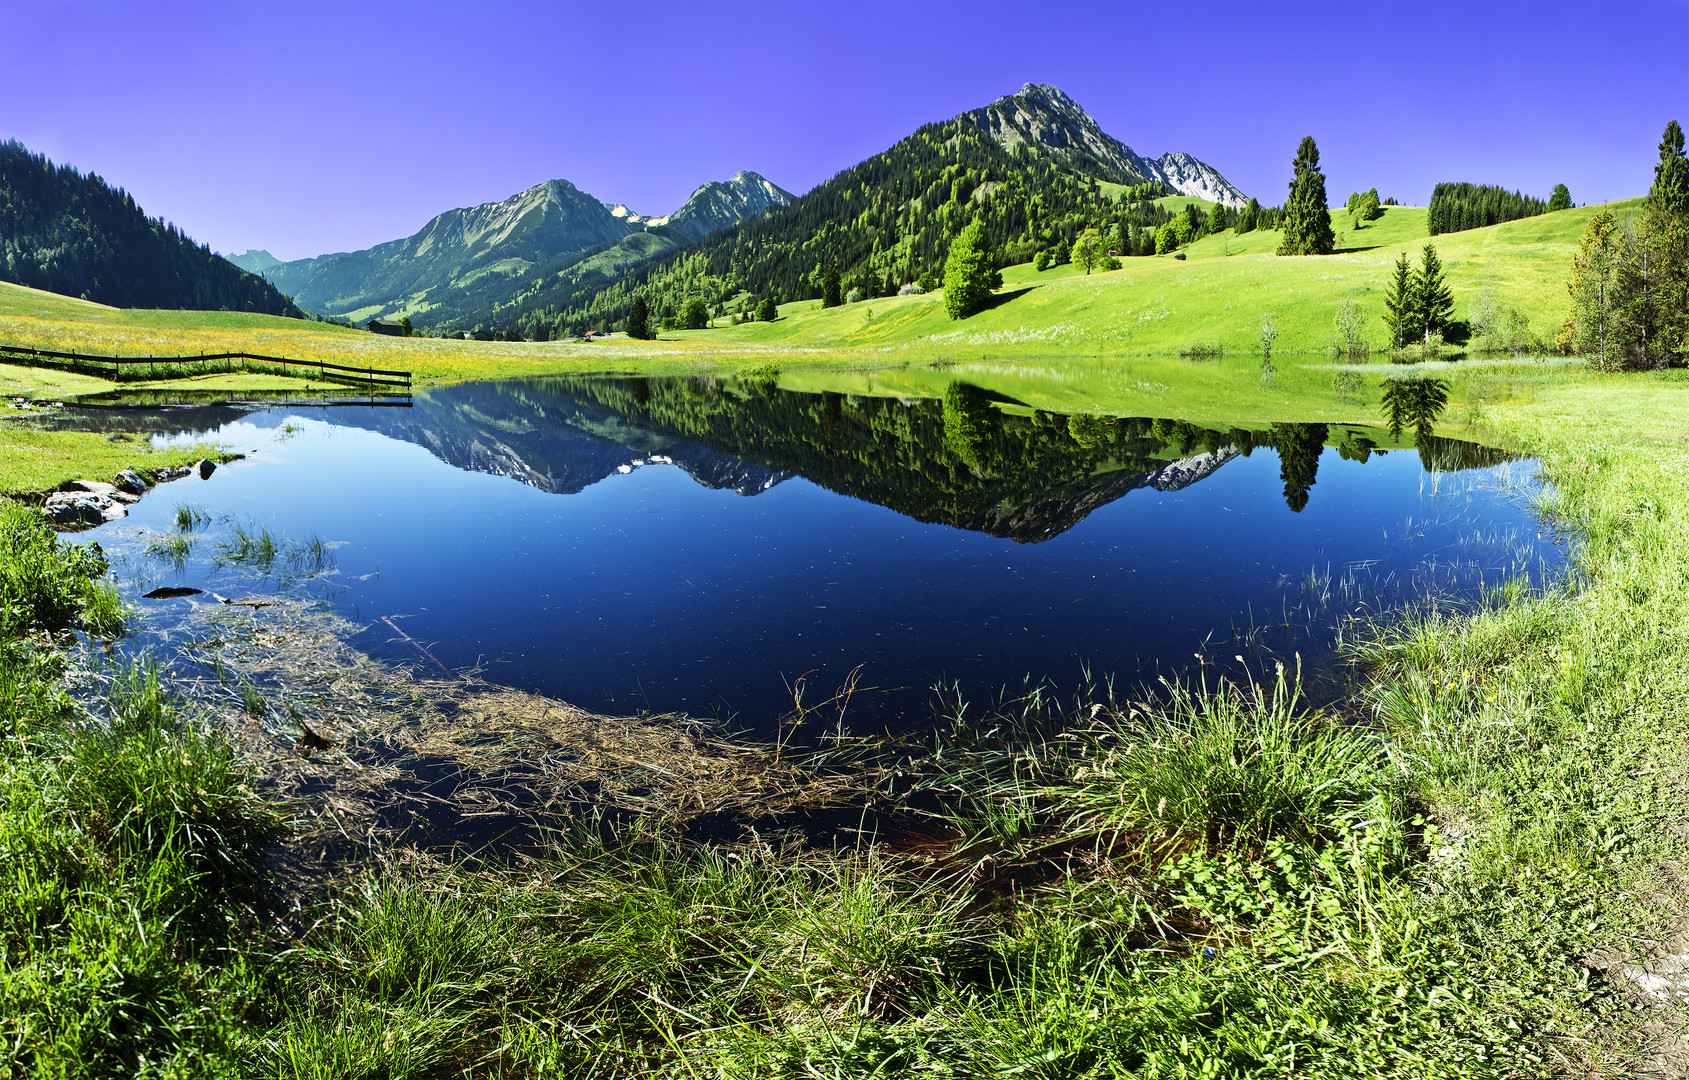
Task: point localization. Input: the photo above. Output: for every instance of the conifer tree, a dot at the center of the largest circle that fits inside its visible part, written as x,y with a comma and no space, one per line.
830,294
1433,301
1559,199
1307,218
639,320
1246,221
1399,304
766,311
1123,238
1671,176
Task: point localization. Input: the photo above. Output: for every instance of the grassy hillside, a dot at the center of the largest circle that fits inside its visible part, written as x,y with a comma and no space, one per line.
1150,308
1160,306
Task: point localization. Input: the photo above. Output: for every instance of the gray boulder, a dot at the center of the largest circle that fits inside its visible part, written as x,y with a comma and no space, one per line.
132,482
79,509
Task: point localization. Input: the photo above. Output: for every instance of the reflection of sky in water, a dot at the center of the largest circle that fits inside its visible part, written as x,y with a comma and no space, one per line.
647,590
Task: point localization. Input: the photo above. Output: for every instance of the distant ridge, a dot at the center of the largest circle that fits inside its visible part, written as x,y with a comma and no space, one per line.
473,258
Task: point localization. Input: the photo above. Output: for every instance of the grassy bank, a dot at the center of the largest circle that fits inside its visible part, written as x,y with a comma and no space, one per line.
1442,876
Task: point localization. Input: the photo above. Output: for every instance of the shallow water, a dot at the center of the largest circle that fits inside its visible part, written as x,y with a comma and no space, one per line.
710,546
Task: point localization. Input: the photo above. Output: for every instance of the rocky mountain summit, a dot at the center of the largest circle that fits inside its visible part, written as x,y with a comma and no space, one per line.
1042,116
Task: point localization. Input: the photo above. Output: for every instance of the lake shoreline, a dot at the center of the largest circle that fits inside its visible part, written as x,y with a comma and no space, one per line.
1504,825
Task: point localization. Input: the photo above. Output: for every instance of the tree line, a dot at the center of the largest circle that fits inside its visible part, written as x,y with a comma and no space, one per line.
1458,207
73,234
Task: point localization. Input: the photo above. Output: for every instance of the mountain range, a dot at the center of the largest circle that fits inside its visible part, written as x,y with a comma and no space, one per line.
464,258
552,259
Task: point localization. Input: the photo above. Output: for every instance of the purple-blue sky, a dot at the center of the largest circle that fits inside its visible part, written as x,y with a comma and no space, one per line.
305,127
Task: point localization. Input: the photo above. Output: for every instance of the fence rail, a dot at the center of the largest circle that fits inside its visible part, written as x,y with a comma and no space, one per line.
127,368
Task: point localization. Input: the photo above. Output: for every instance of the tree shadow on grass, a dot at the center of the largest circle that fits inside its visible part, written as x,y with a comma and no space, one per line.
998,299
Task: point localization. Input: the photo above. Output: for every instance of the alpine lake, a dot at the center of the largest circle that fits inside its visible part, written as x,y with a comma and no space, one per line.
733,548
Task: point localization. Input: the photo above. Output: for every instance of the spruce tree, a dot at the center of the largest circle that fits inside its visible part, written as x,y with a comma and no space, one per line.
1399,303
1307,218
1559,199
639,320
1433,300
830,294
1671,176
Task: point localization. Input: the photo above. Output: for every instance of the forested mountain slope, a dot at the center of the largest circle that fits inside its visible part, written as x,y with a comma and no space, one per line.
73,234
1031,167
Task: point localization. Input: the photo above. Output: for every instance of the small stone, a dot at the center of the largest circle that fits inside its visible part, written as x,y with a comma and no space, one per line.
205,467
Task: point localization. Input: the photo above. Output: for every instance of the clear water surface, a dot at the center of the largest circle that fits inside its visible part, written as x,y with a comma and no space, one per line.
701,545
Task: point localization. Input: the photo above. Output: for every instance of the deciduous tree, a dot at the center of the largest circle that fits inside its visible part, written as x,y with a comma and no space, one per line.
1307,217
695,315
968,273
1087,250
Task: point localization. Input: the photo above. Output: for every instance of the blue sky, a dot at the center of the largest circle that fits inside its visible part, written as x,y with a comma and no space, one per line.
313,127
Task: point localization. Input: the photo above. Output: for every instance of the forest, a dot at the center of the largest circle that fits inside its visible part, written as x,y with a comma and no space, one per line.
1458,207
70,233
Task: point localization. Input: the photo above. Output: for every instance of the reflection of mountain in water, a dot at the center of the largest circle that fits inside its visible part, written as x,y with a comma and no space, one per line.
551,442
961,461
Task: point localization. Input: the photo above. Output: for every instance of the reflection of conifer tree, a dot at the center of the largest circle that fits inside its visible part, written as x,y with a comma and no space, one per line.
1299,447
1414,403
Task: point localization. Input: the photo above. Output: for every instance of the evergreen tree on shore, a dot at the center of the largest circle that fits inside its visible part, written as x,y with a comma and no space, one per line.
1307,217
1399,303
1433,302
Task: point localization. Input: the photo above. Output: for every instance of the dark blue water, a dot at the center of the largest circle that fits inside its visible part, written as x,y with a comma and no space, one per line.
701,548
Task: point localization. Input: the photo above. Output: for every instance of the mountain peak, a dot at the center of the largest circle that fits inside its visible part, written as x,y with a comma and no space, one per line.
1043,117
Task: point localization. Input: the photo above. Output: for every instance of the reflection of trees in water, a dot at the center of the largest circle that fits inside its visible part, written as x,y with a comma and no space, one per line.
1299,447
1414,403
962,460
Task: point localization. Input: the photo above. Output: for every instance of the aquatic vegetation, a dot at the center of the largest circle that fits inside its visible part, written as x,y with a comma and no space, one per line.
191,518
174,548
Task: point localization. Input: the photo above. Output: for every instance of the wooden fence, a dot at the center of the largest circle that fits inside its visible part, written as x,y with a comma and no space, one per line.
137,368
